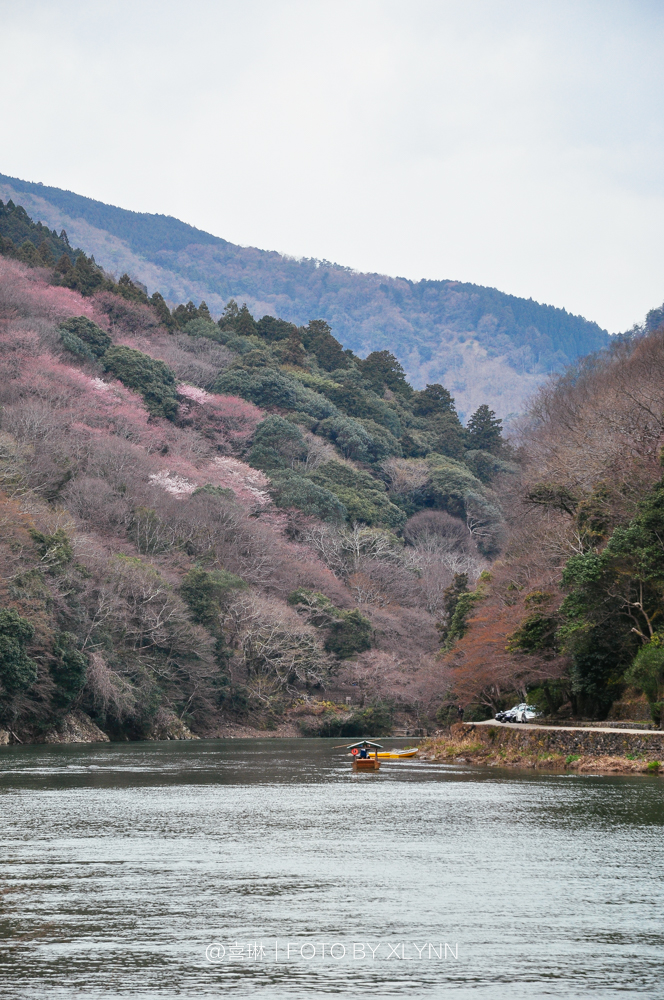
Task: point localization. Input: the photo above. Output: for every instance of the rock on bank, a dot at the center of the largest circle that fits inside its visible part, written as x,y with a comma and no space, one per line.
77,727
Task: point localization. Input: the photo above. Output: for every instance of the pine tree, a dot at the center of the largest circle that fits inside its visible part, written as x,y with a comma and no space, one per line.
245,324
292,353
184,314
45,254
229,317
64,265
382,370
28,254
485,430
434,399
158,303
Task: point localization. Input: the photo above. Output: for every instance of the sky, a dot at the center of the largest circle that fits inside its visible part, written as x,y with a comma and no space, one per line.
513,144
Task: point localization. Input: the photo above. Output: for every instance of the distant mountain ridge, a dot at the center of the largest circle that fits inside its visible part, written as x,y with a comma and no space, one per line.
483,344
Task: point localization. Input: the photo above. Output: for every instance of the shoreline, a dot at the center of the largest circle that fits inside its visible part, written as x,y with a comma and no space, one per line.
549,748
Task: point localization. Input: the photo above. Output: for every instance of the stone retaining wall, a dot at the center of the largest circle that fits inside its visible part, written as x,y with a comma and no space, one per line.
565,741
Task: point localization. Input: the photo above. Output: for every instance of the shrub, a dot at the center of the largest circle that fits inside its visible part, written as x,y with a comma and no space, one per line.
153,379
451,482
148,532
17,671
127,316
348,632
290,489
271,329
68,670
54,550
203,328
351,438
206,592
486,466
384,443
363,496
647,674
375,720
268,387
278,444
81,336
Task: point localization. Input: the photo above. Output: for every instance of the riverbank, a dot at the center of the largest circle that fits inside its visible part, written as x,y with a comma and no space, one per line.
615,751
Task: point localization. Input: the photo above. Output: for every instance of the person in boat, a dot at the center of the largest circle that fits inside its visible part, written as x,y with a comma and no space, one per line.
363,754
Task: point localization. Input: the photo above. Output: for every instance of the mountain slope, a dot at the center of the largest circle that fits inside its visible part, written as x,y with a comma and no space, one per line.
484,345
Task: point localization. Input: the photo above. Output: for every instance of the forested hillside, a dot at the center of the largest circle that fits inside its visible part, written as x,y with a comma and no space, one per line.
211,518
486,346
572,615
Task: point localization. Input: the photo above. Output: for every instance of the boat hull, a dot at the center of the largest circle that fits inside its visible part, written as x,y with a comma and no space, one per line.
368,764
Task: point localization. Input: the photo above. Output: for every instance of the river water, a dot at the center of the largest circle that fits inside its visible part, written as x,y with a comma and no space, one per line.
266,868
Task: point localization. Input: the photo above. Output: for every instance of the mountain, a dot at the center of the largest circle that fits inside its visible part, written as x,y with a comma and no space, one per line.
219,523
484,345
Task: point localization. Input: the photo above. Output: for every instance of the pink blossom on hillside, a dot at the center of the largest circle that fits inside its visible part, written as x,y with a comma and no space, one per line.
229,419
80,400
123,317
22,291
193,392
237,416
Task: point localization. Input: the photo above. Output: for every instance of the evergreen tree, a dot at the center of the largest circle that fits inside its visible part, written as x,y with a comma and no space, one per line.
68,670
245,324
158,303
433,400
229,317
45,254
278,444
272,329
317,338
485,430
28,254
382,370
292,353
184,314
64,265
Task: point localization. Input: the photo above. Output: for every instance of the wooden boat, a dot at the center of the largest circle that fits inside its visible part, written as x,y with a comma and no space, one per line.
364,763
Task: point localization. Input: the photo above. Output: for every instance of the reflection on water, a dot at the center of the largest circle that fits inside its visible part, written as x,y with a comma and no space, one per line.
121,864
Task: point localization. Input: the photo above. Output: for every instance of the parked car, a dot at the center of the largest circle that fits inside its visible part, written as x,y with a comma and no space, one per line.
520,713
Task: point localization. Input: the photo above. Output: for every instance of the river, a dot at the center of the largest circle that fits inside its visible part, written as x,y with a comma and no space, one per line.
267,869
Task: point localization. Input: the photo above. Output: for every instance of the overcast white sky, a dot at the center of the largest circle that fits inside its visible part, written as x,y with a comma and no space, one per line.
509,143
